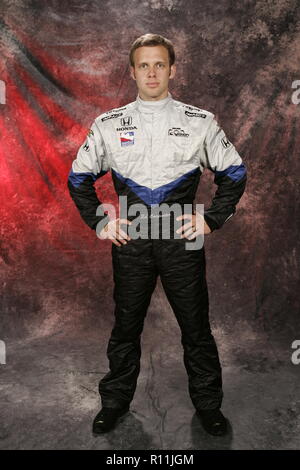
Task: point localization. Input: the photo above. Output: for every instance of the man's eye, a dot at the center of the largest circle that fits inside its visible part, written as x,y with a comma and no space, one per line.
161,65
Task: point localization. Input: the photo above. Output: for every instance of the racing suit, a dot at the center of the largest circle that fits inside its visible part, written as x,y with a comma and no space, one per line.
156,152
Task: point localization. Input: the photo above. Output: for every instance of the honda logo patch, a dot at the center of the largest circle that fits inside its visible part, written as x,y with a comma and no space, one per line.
126,121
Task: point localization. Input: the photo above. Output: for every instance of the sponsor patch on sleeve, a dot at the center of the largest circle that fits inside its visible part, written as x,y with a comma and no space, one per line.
225,142
90,132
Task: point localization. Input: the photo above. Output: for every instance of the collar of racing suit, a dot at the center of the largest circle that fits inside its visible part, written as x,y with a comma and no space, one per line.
146,106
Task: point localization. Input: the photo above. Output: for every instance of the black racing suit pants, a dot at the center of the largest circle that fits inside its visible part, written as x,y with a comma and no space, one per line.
136,266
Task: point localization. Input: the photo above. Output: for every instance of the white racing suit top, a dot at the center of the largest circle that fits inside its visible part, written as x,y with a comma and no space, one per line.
156,152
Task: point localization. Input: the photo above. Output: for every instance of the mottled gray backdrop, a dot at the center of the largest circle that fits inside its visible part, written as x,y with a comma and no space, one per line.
64,63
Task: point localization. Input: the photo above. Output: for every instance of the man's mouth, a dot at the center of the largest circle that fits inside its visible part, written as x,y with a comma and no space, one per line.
152,85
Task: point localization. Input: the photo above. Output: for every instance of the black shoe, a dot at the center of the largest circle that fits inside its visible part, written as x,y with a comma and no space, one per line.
107,418
213,421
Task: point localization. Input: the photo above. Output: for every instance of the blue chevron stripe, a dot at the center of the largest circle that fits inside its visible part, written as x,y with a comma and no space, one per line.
235,172
154,196
78,178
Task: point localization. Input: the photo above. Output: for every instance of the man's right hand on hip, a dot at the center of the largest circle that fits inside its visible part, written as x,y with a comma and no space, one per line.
113,232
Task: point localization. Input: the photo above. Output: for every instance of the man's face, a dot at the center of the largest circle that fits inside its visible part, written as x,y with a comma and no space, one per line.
152,72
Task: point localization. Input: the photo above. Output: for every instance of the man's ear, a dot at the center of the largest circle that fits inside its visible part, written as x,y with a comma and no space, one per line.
132,72
172,71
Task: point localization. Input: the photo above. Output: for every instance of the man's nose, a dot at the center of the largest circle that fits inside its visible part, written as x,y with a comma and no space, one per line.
151,71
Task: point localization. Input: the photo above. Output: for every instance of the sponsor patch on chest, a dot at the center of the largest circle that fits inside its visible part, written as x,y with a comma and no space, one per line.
127,138
178,132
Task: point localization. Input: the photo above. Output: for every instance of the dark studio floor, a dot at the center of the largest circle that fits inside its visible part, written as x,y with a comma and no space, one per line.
49,393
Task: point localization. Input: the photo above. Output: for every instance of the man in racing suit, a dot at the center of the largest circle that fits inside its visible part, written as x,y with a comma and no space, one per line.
156,149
